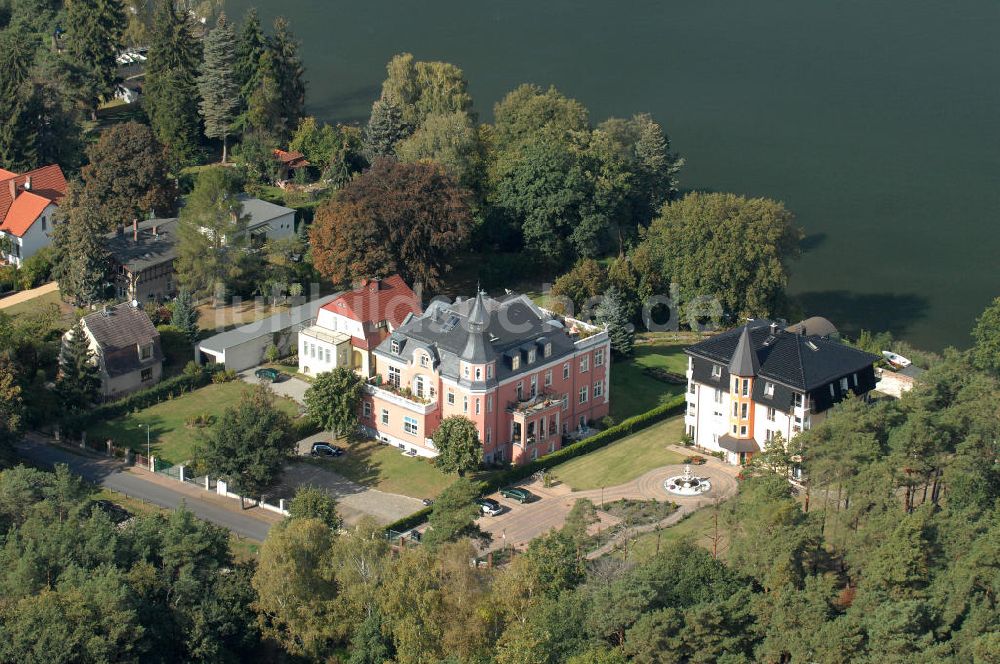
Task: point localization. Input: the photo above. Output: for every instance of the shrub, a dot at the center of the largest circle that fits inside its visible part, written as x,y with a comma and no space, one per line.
272,353
224,376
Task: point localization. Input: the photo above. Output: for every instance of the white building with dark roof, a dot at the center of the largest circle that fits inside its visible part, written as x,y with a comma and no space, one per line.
749,384
126,349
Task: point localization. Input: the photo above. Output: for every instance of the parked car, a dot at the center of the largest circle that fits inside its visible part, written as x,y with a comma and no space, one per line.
427,502
489,506
516,493
268,374
326,449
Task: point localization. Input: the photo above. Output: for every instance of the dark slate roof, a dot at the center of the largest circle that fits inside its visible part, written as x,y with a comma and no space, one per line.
798,361
744,361
480,330
120,331
734,444
151,248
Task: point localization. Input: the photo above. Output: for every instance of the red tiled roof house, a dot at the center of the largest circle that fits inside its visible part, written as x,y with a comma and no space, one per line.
27,209
349,327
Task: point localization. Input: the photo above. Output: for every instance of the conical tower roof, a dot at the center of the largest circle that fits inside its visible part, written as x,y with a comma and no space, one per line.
477,348
744,361
478,314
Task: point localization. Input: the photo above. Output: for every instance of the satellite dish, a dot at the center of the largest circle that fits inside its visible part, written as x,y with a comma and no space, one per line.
135,304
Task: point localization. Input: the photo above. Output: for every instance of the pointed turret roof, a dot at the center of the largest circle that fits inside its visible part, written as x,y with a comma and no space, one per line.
477,348
478,314
744,361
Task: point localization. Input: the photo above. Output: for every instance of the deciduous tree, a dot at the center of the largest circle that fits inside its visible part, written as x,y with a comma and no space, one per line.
332,401
311,502
425,88
986,338
453,515
395,218
457,442
451,140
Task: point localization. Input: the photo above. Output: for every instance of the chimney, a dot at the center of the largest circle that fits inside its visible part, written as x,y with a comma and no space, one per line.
155,227
13,188
135,230
27,183
774,328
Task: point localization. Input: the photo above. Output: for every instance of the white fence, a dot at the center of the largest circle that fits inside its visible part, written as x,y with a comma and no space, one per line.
219,486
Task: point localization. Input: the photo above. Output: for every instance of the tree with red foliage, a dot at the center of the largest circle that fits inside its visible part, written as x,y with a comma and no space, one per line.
394,218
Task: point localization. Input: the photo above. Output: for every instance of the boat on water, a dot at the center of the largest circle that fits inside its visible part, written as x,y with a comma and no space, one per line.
895,359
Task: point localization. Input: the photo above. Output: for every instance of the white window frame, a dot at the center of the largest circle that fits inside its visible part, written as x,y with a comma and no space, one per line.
599,357
385,417
366,410
394,346
548,378
566,371
716,371
768,389
585,364
410,425
599,389
584,394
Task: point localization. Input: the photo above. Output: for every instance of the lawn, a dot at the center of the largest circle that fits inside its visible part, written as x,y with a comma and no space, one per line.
625,459
699,528
632,390
172,439
385,468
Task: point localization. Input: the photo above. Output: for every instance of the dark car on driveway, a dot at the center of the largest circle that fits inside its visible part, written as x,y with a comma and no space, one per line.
489,506
517,493
326,449
268,374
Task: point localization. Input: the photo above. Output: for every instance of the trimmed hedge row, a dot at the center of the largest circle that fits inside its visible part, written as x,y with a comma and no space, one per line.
163,390
518,473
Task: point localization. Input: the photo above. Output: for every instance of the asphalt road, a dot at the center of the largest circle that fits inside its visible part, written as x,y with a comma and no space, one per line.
113,475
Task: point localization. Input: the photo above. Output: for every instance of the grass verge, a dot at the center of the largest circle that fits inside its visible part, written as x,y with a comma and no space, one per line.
385,468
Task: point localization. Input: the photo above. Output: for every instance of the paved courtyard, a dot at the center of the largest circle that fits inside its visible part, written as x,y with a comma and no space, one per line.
291,387
519,524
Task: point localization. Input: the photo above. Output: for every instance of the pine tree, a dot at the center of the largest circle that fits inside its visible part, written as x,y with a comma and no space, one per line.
81,261
171,90
264,109
658,167
94,36
79,380
613,312
289,73
184,316
251,44
385,128
217,83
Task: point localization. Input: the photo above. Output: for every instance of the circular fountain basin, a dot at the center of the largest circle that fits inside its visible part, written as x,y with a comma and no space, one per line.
687,484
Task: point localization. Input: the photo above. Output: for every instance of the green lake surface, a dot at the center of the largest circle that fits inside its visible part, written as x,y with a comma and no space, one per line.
876,121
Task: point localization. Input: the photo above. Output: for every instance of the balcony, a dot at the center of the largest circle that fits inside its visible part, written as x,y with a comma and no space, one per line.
534,405
388,392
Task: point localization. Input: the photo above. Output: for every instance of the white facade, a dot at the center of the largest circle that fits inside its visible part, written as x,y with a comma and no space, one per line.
38,235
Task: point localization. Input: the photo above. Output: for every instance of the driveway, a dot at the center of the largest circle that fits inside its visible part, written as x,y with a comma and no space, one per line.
519,524
291,387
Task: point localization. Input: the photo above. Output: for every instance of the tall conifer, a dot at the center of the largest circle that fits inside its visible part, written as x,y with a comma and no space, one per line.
217,84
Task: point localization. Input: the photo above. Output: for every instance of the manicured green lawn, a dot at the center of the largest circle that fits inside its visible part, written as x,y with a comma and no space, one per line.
385,468
699,528
172,439
625,459
634,392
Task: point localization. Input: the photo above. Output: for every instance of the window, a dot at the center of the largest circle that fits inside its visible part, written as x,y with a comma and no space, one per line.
385,416
548,378
366,410
599,357
744,411
43,223
534,386
547,350
489,371
465,370
147,374
583,394
327,354
520,390
394,376
477,405
489,404
410,425
312,350
394,346
479,373
743,430
489,436
451,397
691,387
566,371
418,387
585,364
598,388
465,404
736,408
515,362
769,389
145,351
798,401
769,435
718,396
565,401
746,387
305,349
832,392
531,356
843,384
716,371
423,360
770,414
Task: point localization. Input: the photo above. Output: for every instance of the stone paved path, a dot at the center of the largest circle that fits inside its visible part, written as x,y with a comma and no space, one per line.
519,524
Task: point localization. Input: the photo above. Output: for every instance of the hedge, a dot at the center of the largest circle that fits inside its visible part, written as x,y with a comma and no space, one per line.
163,390
585,446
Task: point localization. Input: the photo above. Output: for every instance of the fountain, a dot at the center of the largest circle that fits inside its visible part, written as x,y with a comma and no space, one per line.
687,484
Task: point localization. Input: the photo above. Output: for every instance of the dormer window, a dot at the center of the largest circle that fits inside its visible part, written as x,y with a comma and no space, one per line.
394,346
424,360
479,373
547,351
769,389
515,362
145,351
716,371
531,356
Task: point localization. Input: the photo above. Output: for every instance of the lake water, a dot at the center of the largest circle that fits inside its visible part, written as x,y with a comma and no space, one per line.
876,121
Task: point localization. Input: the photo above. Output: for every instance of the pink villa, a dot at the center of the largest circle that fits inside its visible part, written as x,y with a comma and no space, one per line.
527,378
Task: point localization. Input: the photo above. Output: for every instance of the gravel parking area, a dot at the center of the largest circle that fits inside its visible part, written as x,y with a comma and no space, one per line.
290,386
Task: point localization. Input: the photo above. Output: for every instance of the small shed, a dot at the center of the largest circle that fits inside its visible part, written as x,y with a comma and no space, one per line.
245,346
